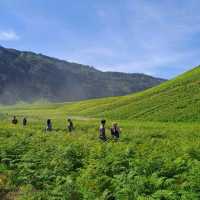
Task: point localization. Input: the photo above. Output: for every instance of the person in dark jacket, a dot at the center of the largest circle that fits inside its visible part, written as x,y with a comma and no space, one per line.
70,125
102,130
49,125
115,131
24,121
14,120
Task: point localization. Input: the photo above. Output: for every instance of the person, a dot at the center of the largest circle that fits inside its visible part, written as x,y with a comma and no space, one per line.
24,121
14,120
115,131
70,125
49,125
102,130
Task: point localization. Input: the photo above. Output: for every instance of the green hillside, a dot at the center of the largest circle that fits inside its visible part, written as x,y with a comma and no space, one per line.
29,77
174,100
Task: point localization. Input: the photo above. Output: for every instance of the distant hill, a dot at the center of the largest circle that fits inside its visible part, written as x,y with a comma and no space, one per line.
177,100
27,76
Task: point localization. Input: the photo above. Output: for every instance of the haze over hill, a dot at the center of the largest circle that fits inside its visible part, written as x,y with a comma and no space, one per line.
26,76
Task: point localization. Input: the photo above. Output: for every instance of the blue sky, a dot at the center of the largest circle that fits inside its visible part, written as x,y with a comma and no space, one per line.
160,38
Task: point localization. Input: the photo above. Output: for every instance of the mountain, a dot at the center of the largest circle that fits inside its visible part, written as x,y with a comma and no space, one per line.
27,76
177,100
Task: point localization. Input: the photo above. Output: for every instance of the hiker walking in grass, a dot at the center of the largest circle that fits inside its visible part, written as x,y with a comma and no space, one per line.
102,130
24,121
49,125
70,125
14,120
115,131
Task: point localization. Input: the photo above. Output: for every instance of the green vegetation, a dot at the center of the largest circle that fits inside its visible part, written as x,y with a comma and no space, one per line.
157,156
151,161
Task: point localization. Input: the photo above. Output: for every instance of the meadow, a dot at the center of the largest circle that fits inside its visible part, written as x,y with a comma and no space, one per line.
156,157
152,160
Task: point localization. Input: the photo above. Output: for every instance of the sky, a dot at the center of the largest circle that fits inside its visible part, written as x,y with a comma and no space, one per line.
159,38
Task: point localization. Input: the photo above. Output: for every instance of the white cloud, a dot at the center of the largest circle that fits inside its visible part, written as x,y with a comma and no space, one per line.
8,35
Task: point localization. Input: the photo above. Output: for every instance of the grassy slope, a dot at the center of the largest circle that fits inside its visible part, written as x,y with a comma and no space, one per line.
175,100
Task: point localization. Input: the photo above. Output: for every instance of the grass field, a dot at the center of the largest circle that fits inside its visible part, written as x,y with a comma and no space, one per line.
157,156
